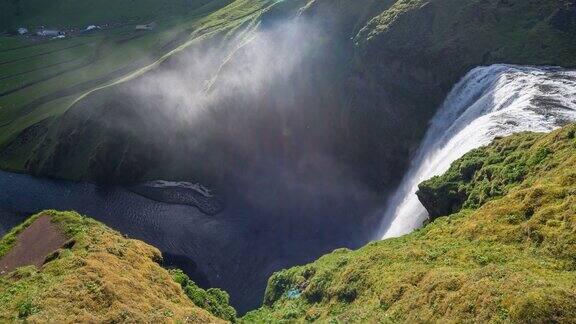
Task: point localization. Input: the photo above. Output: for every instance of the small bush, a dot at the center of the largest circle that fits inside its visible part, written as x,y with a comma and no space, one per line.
214,300
26,308
278,284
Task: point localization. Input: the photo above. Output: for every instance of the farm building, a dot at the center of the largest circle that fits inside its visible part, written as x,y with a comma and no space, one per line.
49,33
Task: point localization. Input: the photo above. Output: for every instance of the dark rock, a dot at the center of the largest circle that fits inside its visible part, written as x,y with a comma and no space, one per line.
441,201
182,193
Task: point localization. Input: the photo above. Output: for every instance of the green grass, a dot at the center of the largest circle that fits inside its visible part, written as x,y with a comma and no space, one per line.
101,276
90,77
508,257
66,13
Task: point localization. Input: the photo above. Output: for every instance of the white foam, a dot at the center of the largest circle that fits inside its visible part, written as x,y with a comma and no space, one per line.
488,102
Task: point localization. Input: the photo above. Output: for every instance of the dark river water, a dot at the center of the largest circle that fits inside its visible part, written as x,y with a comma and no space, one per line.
178,230
232,250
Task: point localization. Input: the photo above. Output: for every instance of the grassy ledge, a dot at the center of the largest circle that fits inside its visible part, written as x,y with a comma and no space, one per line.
101,276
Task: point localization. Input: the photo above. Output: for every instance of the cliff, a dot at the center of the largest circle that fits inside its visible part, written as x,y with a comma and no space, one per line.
377,69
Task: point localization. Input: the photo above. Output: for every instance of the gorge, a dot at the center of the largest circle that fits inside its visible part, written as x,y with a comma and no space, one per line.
489,102
244,137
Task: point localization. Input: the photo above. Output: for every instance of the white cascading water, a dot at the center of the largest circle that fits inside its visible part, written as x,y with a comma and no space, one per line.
488,102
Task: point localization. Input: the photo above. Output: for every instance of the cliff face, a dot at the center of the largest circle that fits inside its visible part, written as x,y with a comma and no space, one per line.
354,84
508,256
93,274
430,44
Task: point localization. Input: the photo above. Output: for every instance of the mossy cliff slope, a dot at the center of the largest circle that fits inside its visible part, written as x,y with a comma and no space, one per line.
509,255
432,43
100,276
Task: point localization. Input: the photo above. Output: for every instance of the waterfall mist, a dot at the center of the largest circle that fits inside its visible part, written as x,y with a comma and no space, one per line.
254,116
488,102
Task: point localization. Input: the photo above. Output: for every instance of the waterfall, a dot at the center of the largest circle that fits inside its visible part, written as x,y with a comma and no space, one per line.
488,102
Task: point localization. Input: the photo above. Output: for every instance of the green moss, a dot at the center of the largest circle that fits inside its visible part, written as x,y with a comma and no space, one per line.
490,172
508,256
483,174
214,300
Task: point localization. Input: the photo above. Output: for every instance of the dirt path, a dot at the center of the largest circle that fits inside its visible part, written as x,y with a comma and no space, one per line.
33,245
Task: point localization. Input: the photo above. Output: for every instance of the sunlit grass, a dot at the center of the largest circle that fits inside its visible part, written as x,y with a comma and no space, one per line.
98,276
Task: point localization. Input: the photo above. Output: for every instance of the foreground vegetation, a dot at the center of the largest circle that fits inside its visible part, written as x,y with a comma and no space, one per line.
101,276
507,254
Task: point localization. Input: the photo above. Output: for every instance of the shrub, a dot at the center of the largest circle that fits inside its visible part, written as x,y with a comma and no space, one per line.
214,300
26,308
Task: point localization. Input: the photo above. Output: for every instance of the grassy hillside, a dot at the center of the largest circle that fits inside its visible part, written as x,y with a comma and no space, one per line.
489,172
42,78
100,276
509,255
